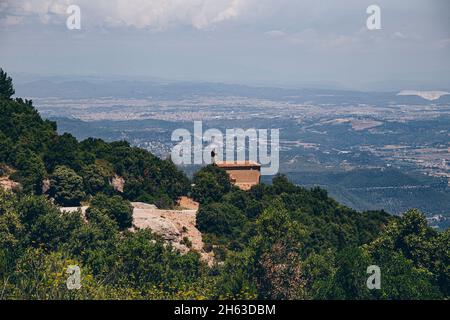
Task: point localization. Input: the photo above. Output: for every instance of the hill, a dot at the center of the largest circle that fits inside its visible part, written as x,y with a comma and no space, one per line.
394,190
33,147
277,241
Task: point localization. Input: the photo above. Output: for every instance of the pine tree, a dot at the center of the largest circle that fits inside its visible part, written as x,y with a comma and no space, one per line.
6,86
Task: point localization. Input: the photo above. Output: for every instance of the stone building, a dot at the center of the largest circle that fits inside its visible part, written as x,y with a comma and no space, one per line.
243,174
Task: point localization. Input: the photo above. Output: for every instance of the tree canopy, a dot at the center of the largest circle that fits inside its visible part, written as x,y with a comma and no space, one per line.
6,85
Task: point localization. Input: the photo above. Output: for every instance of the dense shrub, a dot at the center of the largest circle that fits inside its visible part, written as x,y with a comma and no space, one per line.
66,187
115,207
210,184
222,220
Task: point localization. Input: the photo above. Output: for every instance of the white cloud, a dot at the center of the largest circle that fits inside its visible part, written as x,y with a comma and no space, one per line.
9,21
276,33
153,14
398,35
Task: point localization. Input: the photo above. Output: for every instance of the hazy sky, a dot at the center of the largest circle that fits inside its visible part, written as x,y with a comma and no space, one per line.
276,42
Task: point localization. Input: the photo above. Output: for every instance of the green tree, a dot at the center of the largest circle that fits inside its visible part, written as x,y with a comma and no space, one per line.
441,261
95,178
401,279
44,224
66,187
95,242
319,271
210,184
31,171
63,151
6,148
222,220
280,184
243,200
146,262
351,277
277,246
236,277
11,228
6,85
414,243
115,207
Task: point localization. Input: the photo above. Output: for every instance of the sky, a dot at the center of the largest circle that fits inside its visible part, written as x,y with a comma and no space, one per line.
292,43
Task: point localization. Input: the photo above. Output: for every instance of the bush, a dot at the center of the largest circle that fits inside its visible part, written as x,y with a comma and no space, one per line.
95,178
185,241
221,219
210,184
45,224
115,207
66,187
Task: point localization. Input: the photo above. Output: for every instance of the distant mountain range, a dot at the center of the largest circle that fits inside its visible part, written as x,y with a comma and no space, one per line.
83,89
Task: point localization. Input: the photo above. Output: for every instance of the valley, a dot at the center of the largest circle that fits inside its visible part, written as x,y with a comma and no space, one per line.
369,150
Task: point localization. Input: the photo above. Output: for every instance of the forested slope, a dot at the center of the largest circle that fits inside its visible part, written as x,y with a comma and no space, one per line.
277,241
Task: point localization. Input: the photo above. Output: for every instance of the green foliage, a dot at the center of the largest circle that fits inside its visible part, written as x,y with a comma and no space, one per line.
350,277
115,207
244,202
31,171
6,147
277,241
6,85
145,175
95,242
222,220
66,187
328,224
63,151
235,280
11,228
95,178
277,260
402,279
31,145
146,262
45,225
319,271
410,239
305,240
40,243
210,184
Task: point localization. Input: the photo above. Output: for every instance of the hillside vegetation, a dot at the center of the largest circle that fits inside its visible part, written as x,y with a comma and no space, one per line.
277,241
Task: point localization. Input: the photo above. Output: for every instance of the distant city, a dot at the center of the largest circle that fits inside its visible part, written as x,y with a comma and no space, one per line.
379,150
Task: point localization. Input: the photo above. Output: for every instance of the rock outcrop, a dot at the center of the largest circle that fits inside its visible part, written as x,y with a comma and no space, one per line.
5,182
117,183
174,226
188,203
177,227
8,184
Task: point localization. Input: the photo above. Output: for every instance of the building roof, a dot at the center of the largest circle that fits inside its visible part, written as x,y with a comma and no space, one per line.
237,164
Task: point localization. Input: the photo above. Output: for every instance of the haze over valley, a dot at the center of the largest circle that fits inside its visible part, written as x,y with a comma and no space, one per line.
370,150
